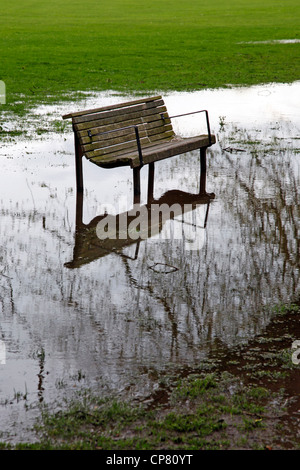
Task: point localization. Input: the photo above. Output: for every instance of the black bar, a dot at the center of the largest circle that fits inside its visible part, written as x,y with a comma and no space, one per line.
121,129
78,164
202,171
136,185
195,112
139,145
150,182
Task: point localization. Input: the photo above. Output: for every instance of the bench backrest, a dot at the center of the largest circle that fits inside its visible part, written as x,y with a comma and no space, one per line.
108,133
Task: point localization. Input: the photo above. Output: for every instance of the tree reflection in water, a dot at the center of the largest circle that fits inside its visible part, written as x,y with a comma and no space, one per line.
115,317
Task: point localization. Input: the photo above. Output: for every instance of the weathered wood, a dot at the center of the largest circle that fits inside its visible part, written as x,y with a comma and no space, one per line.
131,133
174,147
130,146
152,153
147,108
112,139
147,115
114,106
109,132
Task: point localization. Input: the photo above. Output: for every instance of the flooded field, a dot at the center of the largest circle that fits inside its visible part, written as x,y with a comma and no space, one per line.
76,315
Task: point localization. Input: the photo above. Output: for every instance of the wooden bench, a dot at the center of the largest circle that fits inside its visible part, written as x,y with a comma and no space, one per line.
134,133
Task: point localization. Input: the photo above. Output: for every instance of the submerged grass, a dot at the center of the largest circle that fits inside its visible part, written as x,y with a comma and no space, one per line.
199,422
222,405
50,49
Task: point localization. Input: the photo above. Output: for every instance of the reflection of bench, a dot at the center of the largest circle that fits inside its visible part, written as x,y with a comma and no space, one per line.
134,133
89,247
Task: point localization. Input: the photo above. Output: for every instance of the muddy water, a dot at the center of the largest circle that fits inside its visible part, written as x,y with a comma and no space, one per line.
76,315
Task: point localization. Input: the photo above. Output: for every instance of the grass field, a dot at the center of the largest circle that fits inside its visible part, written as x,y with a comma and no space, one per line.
52,48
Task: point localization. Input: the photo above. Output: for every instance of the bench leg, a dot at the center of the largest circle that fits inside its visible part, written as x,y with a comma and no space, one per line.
150,182
79,209
136,185
78,165
202,171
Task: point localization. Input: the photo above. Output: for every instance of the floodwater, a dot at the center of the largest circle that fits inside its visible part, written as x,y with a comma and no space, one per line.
76,313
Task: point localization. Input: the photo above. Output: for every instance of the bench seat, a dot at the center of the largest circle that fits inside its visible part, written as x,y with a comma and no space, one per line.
155,152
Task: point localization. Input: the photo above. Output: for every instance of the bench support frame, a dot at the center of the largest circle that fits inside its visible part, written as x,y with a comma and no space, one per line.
137,175
151,171
136,165
78,164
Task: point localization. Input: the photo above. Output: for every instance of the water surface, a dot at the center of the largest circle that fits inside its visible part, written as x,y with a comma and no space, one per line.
123,315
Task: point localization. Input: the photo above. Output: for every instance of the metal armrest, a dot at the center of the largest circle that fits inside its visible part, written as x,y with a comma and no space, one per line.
196,112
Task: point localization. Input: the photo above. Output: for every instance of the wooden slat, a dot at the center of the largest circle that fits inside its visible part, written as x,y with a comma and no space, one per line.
175,147
155,153
127,149
115,144
99,131
120,146
126,135
167,129
110,107
118,112
115,136
137,116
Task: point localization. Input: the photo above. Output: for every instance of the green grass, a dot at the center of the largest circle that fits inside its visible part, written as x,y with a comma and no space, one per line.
49,49
214,418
